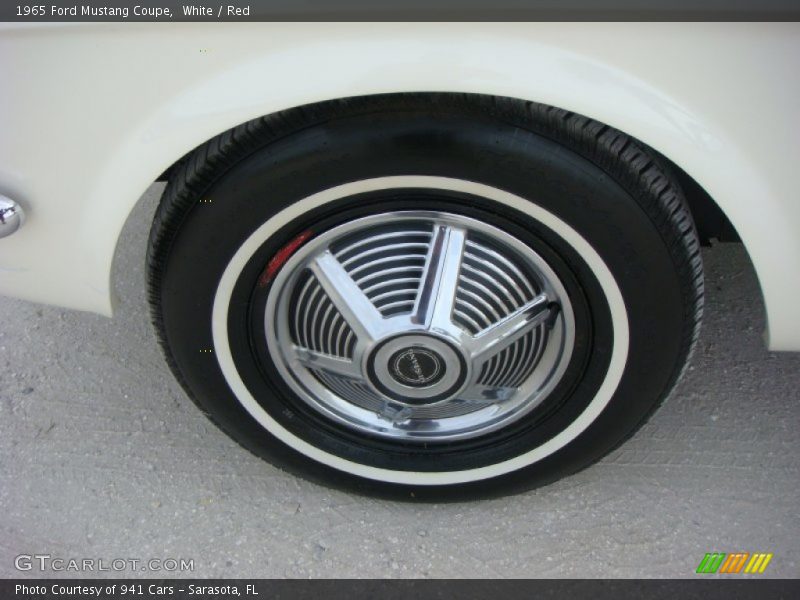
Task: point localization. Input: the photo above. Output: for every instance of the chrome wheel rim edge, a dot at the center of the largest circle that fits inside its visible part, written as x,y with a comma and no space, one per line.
471,411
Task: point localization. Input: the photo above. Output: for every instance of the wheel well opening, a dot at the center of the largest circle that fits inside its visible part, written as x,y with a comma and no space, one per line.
710,221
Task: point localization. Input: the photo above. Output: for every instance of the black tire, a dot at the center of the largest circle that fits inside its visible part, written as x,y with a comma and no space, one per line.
602,184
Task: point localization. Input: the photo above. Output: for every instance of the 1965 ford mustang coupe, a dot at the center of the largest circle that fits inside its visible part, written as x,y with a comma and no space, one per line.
409,258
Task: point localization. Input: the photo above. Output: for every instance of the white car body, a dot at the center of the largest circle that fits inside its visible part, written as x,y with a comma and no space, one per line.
93,114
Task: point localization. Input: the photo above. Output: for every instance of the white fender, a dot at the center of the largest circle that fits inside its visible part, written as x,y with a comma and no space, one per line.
92,114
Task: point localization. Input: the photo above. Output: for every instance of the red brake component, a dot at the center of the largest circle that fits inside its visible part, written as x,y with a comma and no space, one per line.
280,258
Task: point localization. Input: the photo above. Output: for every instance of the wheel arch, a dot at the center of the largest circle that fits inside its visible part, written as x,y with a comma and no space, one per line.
711,219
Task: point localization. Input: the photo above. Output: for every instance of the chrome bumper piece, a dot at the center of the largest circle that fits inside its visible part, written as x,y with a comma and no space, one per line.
11,216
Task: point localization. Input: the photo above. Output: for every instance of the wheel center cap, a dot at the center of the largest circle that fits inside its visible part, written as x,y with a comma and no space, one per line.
417,367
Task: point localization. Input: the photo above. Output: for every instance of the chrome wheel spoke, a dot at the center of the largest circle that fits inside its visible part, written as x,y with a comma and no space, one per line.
512,327
355,307
325,362
484,394
437,293
395,413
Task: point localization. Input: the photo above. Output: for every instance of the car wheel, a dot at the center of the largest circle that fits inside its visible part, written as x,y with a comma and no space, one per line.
426,296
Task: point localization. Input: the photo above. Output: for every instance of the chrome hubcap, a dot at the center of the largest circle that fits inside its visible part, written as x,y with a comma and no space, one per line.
419,325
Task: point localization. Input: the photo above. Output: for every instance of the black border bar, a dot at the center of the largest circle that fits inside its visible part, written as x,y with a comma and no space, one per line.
700,588
406,10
